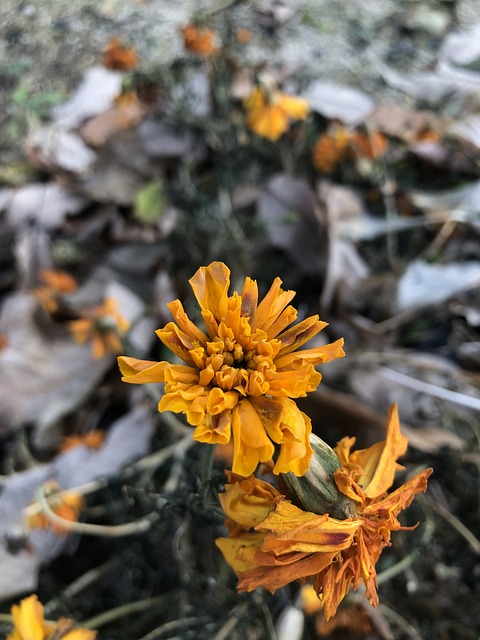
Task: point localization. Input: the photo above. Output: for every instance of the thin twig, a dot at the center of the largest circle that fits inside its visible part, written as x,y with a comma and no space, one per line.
400,621
455,523
176,624
397,568
425,387
108,531
124,610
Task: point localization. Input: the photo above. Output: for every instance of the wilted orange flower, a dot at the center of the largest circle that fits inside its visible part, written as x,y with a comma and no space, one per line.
103,326
119,57
67,505
374,145
270,112
93,439
199,40
29,624
240,376
333,146
330,149
57,283
290,543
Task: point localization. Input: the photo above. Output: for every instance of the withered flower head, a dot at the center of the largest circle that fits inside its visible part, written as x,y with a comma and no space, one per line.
290,543
103,326
241,374
29,624
199,40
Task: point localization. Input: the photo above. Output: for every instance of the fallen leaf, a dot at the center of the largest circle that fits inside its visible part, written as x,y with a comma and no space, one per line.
286,207
419,285
48,204
53,147
127,439
150,202
96,94
339,102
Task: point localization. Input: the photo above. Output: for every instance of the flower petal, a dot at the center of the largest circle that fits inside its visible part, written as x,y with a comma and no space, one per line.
379,462
140,371
250,442
248,500
210,287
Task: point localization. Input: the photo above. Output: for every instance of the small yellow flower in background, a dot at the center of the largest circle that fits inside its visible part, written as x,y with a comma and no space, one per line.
270,112
29,624
240,376
199,40
290,543
56,284
67,505
103,326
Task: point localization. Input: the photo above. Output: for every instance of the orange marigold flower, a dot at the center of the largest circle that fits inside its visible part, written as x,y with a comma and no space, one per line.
29,624
118,57
103,326
66,504
290,543
199,40
270,112
240,376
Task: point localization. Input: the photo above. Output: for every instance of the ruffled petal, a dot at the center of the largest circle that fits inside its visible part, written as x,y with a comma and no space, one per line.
141,371
210,286
250,442
379,462
248,500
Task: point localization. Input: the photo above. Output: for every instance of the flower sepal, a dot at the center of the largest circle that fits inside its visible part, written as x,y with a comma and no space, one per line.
316,491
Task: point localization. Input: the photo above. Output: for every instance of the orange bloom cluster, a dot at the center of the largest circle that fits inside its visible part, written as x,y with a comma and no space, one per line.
29,624
103,326
272,542
270,112
240,375
199,40
56,284
333,146
119,57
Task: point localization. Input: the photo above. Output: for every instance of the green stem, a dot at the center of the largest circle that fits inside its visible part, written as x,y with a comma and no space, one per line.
208,462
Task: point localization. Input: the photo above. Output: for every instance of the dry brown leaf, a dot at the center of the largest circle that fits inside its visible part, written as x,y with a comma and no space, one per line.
126,113
127,439
286,207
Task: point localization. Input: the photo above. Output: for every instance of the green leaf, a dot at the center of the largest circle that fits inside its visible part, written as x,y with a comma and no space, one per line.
150,202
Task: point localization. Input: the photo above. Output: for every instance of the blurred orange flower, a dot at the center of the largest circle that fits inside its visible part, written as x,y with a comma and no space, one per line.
290,543
240,376
332,147
199,40
270,112
93,439
57,283
29,624
119,57
103,326
65,504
